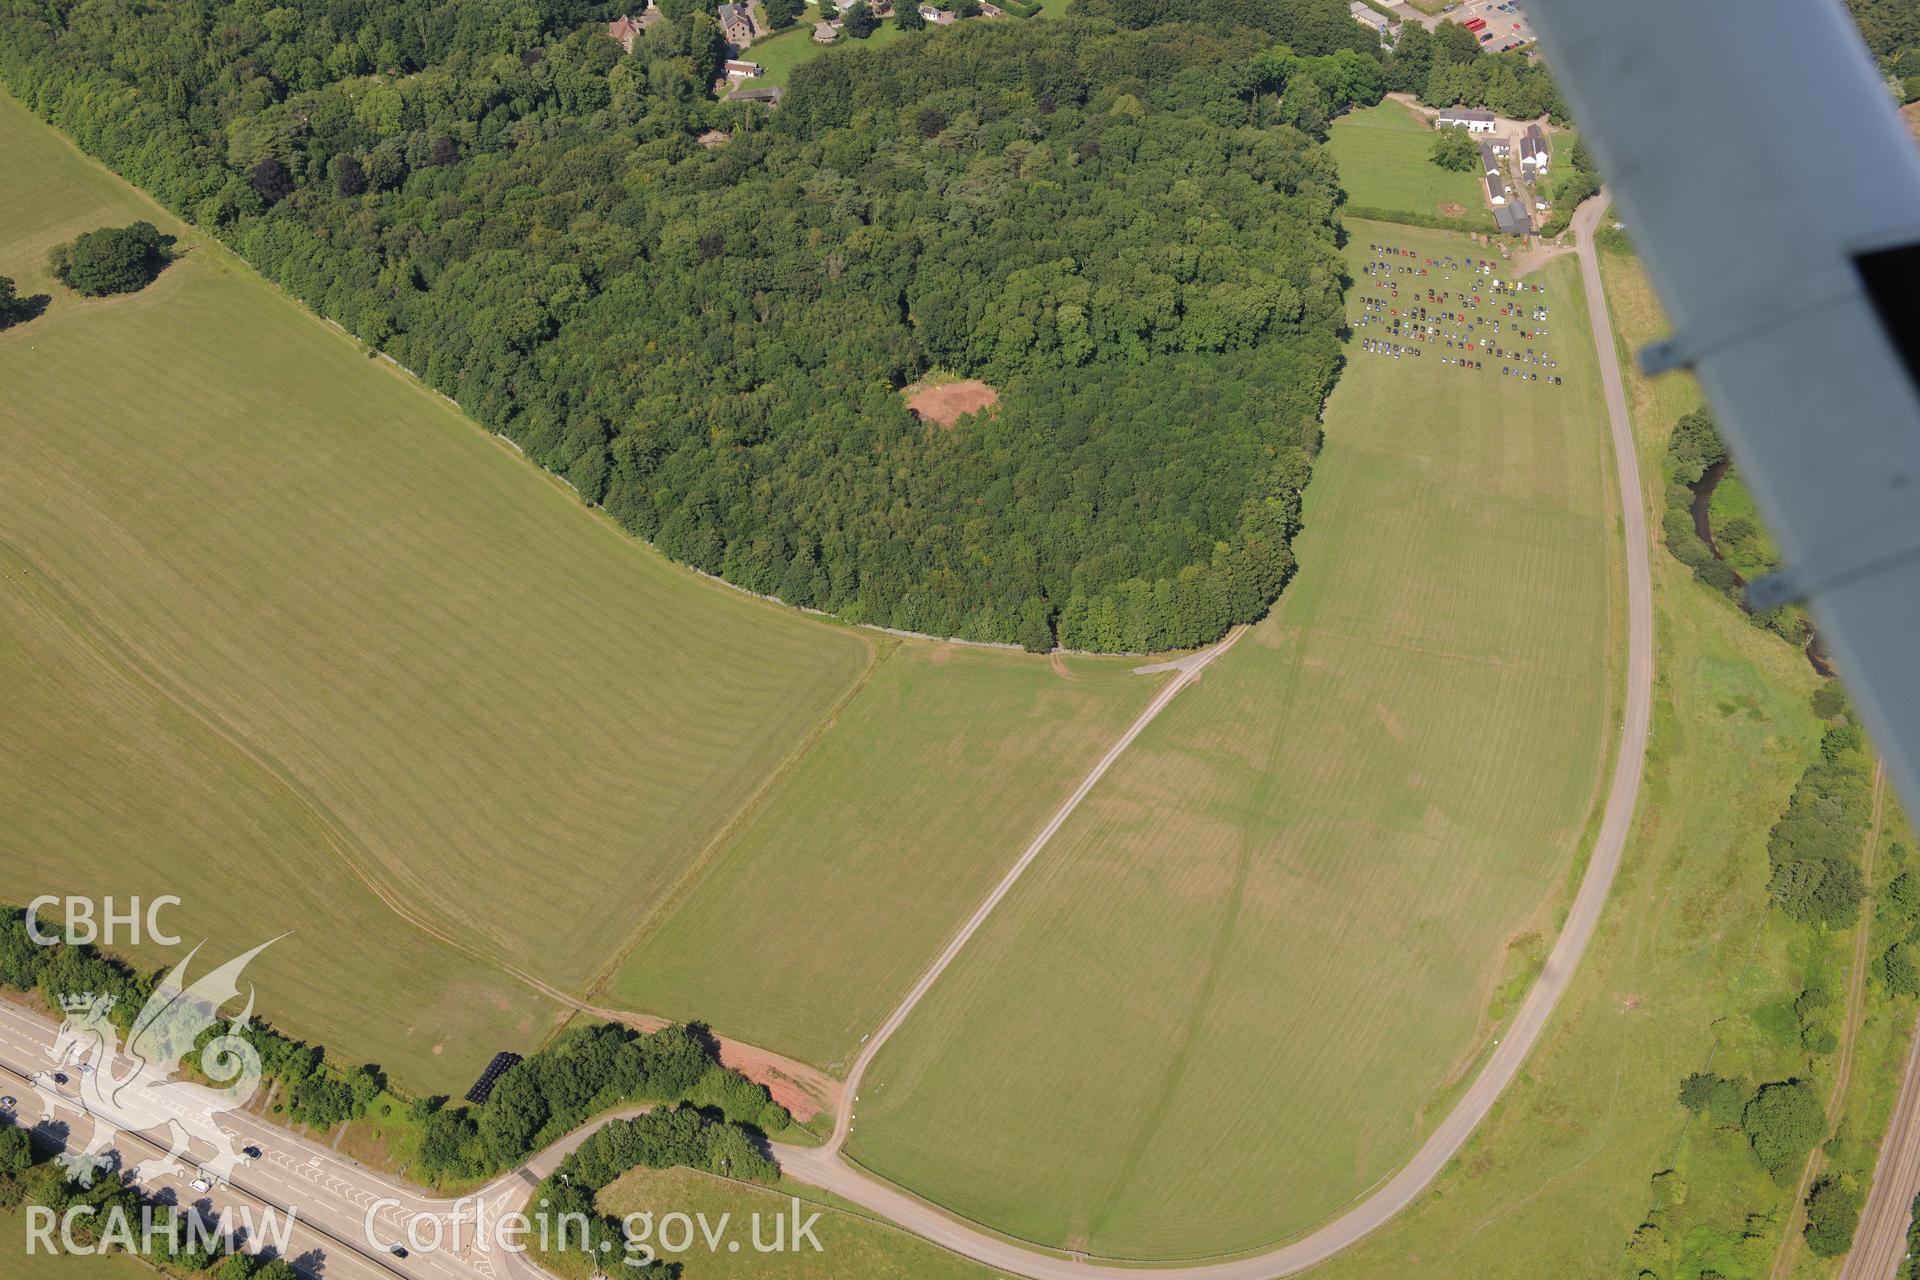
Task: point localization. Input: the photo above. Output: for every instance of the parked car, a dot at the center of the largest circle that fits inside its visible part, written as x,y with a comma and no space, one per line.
201,1185
8,1103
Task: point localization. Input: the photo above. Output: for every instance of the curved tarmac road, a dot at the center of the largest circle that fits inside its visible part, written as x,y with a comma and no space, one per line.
825,1168
335,1194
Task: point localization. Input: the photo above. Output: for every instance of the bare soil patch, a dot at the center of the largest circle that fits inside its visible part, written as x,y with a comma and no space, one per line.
949,402
1450,209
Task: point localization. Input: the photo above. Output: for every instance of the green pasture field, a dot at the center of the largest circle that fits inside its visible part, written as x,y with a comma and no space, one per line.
321,656
1682,970
1233,995
1384,153
779,54
40,1265
851,878
852,1245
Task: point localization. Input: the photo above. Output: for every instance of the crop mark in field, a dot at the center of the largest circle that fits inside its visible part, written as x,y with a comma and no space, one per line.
883,648
1155,1115
125,661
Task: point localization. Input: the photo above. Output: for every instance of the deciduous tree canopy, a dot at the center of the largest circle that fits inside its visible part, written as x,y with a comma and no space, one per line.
111,260
1119,229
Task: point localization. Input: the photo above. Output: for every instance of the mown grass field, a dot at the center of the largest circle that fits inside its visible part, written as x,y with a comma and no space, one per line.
318,654
41,1265
779,54
1384,153
852,1246
1221,1006
844,886
1682,970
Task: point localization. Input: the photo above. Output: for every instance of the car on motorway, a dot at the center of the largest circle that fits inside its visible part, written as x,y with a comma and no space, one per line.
251,1153
397,1250
201,1184
59,1077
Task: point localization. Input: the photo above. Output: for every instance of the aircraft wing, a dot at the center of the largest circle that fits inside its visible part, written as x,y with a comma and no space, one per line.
1773,193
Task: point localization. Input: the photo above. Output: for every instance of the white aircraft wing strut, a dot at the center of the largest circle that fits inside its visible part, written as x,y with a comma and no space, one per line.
1773,194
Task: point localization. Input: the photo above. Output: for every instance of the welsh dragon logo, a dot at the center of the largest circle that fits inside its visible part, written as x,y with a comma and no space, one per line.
134,1089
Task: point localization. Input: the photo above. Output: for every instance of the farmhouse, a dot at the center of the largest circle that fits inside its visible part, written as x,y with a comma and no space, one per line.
1472,119
1488,162
1498,144
936,16
736,20
738,69
1533,150
626,30
1496,190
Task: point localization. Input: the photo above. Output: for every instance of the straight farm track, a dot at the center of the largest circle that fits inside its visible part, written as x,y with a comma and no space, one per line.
843,885
1235,992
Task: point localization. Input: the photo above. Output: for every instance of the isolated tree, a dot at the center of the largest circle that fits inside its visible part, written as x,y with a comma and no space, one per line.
906,15
1783,1123
782,14
13,308
1833,1211
111,259
860,22
966,8
1455,150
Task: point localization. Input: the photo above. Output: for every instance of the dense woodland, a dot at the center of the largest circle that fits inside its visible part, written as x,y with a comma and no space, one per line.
1124,223
1105,224
1892,31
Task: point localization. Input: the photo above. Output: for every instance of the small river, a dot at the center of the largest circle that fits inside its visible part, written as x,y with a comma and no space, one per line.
1703,525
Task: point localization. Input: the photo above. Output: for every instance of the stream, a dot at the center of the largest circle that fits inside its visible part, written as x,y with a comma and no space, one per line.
1703,526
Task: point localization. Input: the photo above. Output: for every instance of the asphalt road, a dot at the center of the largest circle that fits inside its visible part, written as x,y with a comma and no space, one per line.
1188,670
334,1194
827,1169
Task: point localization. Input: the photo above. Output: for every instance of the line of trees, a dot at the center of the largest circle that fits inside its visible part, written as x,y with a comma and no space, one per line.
587,1071
1814,848
313,1091
1120,229
1449,65
657,1140
1693,449
29,1176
